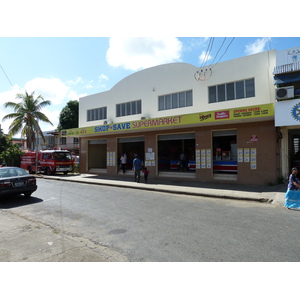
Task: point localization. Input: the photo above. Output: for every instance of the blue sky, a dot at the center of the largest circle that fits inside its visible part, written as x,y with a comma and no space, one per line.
65,68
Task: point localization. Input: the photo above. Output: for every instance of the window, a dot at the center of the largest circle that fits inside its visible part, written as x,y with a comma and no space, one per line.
224,152
129,108
63,141
176,152
231,91
96,114
175,100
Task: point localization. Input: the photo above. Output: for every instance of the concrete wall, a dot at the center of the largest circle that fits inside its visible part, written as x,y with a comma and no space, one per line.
148,84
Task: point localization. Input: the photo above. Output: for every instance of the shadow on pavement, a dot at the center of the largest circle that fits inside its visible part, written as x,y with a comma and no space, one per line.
8,202
184,183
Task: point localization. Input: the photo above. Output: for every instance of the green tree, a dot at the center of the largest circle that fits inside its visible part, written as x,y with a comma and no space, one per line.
27,115
68,117
3,141
9,153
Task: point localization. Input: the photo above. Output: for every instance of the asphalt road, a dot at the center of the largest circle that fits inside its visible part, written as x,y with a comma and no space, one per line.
159,227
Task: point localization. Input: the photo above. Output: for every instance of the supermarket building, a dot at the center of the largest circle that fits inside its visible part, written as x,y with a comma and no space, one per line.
213,124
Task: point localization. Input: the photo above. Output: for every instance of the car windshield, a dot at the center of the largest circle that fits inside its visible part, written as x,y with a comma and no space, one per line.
11,172
63,156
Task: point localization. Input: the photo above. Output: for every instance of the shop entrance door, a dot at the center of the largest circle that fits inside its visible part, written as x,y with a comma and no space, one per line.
225,155
131,146
176,155
294,148
97,151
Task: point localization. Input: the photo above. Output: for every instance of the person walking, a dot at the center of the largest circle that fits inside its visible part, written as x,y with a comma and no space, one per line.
137,167
123,161
292,195
146,173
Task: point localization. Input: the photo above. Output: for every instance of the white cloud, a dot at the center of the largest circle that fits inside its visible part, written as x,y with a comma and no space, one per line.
75,82
53,116
9,96
73,95
204,57
103,77
89,84
55,90
256,47
52,89
142,52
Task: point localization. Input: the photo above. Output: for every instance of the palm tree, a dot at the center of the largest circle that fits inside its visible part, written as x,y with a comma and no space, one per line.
26,117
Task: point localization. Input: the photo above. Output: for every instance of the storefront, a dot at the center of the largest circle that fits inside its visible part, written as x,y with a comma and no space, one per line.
237,145
287,121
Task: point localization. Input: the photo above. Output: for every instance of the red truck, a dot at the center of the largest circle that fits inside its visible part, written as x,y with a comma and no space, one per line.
47,161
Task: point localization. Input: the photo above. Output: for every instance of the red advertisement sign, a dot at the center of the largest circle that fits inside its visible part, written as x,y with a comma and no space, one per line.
222,114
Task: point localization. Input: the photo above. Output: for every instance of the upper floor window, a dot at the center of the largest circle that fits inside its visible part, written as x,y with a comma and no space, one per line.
129,108
175,100
231,91
96,114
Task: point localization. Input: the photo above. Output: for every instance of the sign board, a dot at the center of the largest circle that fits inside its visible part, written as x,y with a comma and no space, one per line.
240,113
287,113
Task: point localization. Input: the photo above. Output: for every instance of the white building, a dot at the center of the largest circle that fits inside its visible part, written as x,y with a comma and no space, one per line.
209,124
287,107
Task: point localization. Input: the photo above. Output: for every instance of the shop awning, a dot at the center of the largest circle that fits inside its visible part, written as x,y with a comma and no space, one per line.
287,78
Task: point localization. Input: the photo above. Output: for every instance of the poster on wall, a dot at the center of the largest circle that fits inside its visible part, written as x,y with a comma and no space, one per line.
111,159
253,159
203,159
240,154
246,155
208,158
198,160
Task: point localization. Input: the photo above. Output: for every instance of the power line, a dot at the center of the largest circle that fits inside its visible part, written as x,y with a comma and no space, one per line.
209,47
6,76
201,74
224,52
218,51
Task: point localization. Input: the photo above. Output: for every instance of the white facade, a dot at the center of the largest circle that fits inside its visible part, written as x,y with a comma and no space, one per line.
147,85
226,132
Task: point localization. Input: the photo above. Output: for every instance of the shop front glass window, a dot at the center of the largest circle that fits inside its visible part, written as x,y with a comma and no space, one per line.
176,154
225,152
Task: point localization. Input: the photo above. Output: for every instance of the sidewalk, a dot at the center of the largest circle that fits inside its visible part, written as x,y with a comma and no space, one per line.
270,194
24,240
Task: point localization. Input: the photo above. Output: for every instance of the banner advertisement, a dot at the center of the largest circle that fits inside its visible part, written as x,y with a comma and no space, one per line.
248,112
287,113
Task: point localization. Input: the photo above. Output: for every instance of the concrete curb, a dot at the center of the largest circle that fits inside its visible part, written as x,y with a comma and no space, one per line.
193,191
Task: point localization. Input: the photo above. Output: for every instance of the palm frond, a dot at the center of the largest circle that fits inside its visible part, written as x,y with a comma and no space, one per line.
27,115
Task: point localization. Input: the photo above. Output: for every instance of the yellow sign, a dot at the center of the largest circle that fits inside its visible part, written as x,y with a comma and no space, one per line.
248,112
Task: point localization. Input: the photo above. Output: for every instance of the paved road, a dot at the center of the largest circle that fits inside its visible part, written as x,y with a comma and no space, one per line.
150,226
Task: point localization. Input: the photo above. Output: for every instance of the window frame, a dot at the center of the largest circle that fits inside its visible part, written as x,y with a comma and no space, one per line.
129,108
175,100
95,114
234,90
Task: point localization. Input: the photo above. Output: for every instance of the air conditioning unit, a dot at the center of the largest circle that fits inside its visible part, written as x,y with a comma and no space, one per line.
284,93
107,122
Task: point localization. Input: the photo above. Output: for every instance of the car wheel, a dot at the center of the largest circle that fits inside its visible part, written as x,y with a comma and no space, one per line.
27,194
30,170
66,172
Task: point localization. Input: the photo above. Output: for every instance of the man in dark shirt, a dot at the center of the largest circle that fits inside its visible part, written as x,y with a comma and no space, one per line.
137,167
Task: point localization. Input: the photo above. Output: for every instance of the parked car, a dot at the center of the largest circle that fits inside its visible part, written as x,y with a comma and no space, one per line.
15,181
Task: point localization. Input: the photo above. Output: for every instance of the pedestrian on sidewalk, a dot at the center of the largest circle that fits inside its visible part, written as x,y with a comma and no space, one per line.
292,195
146,173
123,161
137,167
